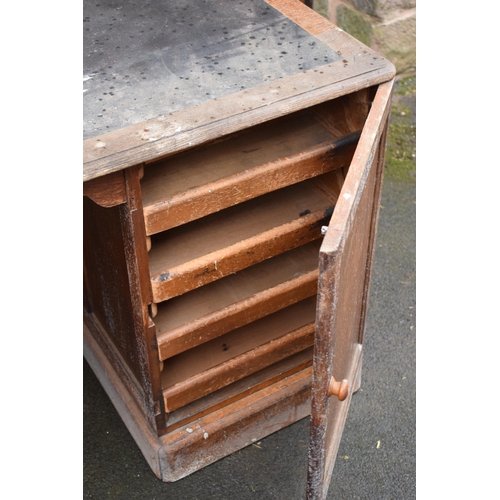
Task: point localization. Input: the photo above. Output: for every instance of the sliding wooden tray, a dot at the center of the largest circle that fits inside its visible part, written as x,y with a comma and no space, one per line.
240,236
242,352
232,177
236,300
264,159
300,362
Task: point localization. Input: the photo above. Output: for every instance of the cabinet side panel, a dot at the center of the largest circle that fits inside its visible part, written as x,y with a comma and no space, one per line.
106,277
109,305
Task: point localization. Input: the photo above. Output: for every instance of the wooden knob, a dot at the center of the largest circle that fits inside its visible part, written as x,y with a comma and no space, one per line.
339,389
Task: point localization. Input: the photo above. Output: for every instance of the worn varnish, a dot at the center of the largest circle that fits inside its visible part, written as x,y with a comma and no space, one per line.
241,236
345,262
212,310
162,131
208,179
233,157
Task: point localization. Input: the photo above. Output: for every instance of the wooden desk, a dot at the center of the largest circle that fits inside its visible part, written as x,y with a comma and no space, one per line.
233,159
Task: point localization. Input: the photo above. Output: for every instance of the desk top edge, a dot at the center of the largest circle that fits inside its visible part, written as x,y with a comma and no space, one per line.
158,137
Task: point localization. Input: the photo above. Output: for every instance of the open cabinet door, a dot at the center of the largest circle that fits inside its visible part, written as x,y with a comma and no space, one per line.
344,275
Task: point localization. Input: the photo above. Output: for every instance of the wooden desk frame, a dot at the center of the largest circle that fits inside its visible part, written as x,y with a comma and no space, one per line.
260,222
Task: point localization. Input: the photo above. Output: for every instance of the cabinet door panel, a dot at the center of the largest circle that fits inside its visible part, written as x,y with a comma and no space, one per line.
344,274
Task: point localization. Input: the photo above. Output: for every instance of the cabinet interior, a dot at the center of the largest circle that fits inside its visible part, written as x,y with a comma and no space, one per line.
233,231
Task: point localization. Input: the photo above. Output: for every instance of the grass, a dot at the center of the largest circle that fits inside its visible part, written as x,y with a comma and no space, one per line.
401,139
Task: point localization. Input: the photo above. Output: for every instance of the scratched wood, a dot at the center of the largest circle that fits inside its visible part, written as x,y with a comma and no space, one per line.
189,186
117,291
238,237
345,260
343,65
233,427
170,56
218,433
108,191
240,389
219,307
219,142
222,361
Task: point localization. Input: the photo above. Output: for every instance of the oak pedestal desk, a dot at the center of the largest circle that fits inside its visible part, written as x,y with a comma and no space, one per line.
233,159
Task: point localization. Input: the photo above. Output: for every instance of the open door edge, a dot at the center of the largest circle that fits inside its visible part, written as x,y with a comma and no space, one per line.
324,435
